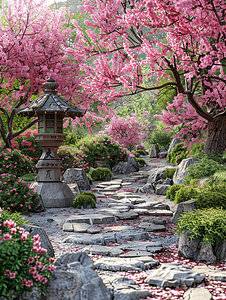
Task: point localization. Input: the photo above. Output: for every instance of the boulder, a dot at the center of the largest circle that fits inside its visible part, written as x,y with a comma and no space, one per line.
182,207
189,248
147,188
161,189
220,251
154,151
126,167
43,237
140,147
206,253
77,175
174,142
197,294
101,164
162,154
155,175
181,171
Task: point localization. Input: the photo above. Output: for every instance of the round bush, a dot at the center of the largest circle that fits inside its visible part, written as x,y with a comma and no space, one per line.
103,148
16,195
141,152
141,161
172,191
14,162
185,193
209,224
24,263
179,152
84,199
101,174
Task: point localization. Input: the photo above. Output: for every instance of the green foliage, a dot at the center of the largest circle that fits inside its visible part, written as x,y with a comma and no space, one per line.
141,161
185,193
23,263
141,152
219,176
102,148
168,173
208,199
179,152
85,199
72,138
213,155
101,174
202,169
172,191
160,137
89,178
14,162
210,224
15,217
16,195
72,158
29,177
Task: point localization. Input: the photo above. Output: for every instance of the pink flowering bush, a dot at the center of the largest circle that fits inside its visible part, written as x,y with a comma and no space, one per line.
16,195
14,162
24,263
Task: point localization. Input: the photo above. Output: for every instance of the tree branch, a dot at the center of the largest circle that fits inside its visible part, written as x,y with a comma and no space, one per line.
23,129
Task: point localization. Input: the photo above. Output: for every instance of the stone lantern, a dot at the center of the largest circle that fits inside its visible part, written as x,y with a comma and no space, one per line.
50,109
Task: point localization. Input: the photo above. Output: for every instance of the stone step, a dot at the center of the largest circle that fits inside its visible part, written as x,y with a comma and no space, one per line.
92,219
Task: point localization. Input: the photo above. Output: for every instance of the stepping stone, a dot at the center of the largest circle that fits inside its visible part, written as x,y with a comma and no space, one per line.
80,227
133,200
93,229
211,272
127,215
120,205
141,211
115,211
137,254
197,294
108,193
112,187
68,227
157,221
174,275
92,219
152,247
116,228
102,250
152,206
85,239
149,227
125,264
120,196
160,213
126,183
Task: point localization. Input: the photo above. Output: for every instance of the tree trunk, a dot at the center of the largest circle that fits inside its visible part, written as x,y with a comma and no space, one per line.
216,138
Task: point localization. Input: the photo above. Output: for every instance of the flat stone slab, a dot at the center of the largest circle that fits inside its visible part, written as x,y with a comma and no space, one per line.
102,250
152,247
137,254
80,227
68,227
149,227
153,206
132,200
116,228
211,272
112,187
197,294
114,210
107,238
119,196
157,221
128,215
160,213
174,275
125,264
93,230
92,219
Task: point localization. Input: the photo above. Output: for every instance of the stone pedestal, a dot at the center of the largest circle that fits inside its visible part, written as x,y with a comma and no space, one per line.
55,194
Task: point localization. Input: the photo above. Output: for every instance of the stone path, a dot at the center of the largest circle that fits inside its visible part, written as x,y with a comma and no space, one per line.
123,233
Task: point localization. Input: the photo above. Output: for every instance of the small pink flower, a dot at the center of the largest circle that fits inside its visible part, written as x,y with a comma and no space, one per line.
32,270
43,280
7,273
7,237
12,275
23,237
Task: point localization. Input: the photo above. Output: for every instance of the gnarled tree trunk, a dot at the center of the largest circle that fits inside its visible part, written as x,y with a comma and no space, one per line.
216,138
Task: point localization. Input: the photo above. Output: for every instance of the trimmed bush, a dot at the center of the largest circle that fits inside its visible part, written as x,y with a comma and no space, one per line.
168,173
29,177
141,152
101,174
102,148
185,193
84,199
24,263
16,195
209,224
179,152
172,191
141,161
14,162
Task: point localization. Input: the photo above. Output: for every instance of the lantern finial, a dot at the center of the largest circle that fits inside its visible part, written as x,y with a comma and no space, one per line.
50,86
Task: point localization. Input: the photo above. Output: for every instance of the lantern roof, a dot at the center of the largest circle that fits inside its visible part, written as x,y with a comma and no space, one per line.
50,102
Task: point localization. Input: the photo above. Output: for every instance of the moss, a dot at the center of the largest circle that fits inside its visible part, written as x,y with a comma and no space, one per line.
168,173
172,191
101,174
141,152
141,161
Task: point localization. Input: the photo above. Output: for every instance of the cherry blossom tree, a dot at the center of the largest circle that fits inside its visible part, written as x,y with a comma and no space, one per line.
182,42
34,45
131,130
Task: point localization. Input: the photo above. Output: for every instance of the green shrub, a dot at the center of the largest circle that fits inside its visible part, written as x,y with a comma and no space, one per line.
208,199
202,169
185,193
16,195
15,217
220,176
72,138
172,191
141,152
14,162
29,177
209,224
160,137
89,178
24,263
85,199
101,174
141,161
213,155
102,148
168,173
179,152
72,158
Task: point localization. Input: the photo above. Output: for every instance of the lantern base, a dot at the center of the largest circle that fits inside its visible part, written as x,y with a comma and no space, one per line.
55,194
